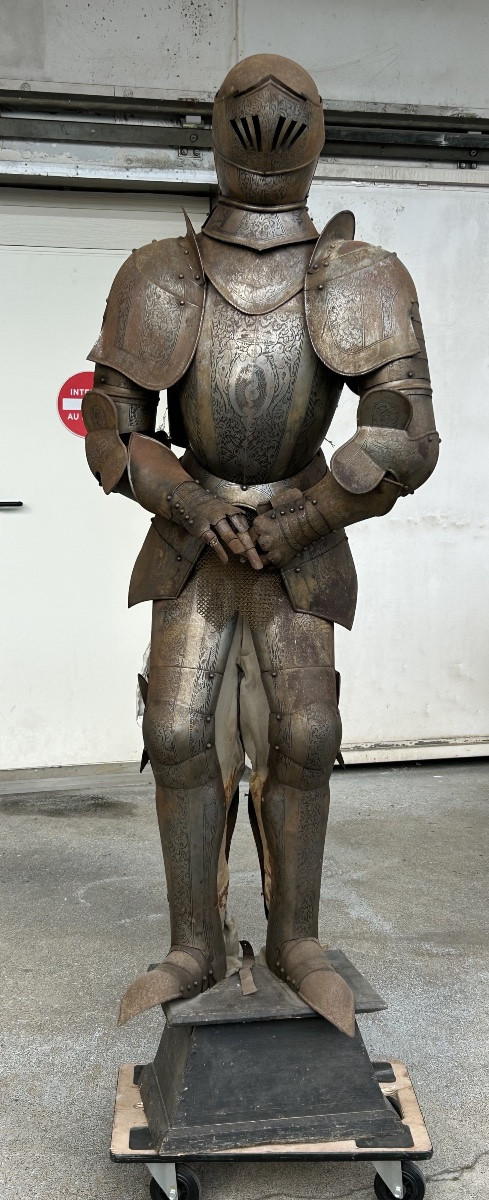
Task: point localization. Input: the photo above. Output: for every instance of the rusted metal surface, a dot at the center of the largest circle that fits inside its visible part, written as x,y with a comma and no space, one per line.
247,559
377,449
154,312
255,283
105,451
256,401
267,131
255,495
359,302
259,228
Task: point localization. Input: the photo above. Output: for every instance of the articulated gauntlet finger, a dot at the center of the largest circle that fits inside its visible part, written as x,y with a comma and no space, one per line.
293,523
194,508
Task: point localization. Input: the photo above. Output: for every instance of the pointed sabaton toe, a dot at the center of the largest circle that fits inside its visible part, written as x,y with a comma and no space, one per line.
183,973
303,964
328,994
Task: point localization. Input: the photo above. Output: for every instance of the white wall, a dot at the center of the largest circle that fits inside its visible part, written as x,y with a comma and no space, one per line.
416,665
70,649
408,53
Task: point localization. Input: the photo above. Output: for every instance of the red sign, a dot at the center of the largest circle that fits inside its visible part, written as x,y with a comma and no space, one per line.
70,399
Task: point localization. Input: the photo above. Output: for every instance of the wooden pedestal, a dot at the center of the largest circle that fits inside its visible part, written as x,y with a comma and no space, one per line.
262,1076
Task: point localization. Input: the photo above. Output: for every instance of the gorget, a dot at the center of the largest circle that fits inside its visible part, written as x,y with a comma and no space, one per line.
257,228
254,283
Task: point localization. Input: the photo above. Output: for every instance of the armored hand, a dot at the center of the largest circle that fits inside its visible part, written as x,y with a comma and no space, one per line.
162,486
213,520
292,523
297,519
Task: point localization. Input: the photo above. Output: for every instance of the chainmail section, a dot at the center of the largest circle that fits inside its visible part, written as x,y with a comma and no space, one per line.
223,589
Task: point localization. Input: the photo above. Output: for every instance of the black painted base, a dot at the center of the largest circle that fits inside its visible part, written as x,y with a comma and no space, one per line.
231,1083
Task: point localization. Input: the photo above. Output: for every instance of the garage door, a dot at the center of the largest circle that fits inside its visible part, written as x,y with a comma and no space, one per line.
71,650
416,665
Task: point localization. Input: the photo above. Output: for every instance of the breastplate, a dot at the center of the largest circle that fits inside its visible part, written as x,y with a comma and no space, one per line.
256,401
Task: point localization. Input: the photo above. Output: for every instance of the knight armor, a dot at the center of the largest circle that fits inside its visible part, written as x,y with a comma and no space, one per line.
253,325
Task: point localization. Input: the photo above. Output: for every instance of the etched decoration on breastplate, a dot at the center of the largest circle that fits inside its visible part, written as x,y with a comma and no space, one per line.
246,400
255,365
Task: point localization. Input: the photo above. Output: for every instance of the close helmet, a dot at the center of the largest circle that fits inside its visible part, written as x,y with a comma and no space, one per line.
267,131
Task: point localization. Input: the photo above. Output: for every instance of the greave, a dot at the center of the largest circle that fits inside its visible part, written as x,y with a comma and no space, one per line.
191,823
295,825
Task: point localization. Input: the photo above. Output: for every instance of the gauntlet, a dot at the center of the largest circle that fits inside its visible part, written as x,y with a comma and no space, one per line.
296,519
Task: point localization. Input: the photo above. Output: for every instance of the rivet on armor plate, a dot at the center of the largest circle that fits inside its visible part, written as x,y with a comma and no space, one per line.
182,302
320,287
186,252
278,716
244,487
277,747
181,276
282,512
274,674
292,510
208,718
168,498
273,516
211,674
313,501
191,521
197,278
179,558
208,745
301,506
410,374
187,516
297,570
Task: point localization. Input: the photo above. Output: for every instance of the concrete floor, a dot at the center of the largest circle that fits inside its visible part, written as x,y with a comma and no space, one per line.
84,910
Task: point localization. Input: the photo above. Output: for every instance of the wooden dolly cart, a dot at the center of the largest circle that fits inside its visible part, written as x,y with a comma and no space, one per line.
260,1077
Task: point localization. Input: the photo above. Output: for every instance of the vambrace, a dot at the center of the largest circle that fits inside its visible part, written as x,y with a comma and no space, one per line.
154,474
396,436
112,410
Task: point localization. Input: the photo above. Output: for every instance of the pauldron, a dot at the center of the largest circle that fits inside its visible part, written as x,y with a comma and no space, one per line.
359,303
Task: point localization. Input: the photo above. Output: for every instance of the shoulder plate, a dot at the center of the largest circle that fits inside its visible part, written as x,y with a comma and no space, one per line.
154,313
359,301
254,283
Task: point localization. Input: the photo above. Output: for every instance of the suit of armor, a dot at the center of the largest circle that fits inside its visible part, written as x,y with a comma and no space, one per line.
253,325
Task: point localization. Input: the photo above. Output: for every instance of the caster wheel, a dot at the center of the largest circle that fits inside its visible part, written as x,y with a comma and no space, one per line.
412,1178
187,1182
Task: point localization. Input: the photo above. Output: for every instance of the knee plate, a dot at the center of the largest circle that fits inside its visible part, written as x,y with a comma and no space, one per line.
181,746
304,745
